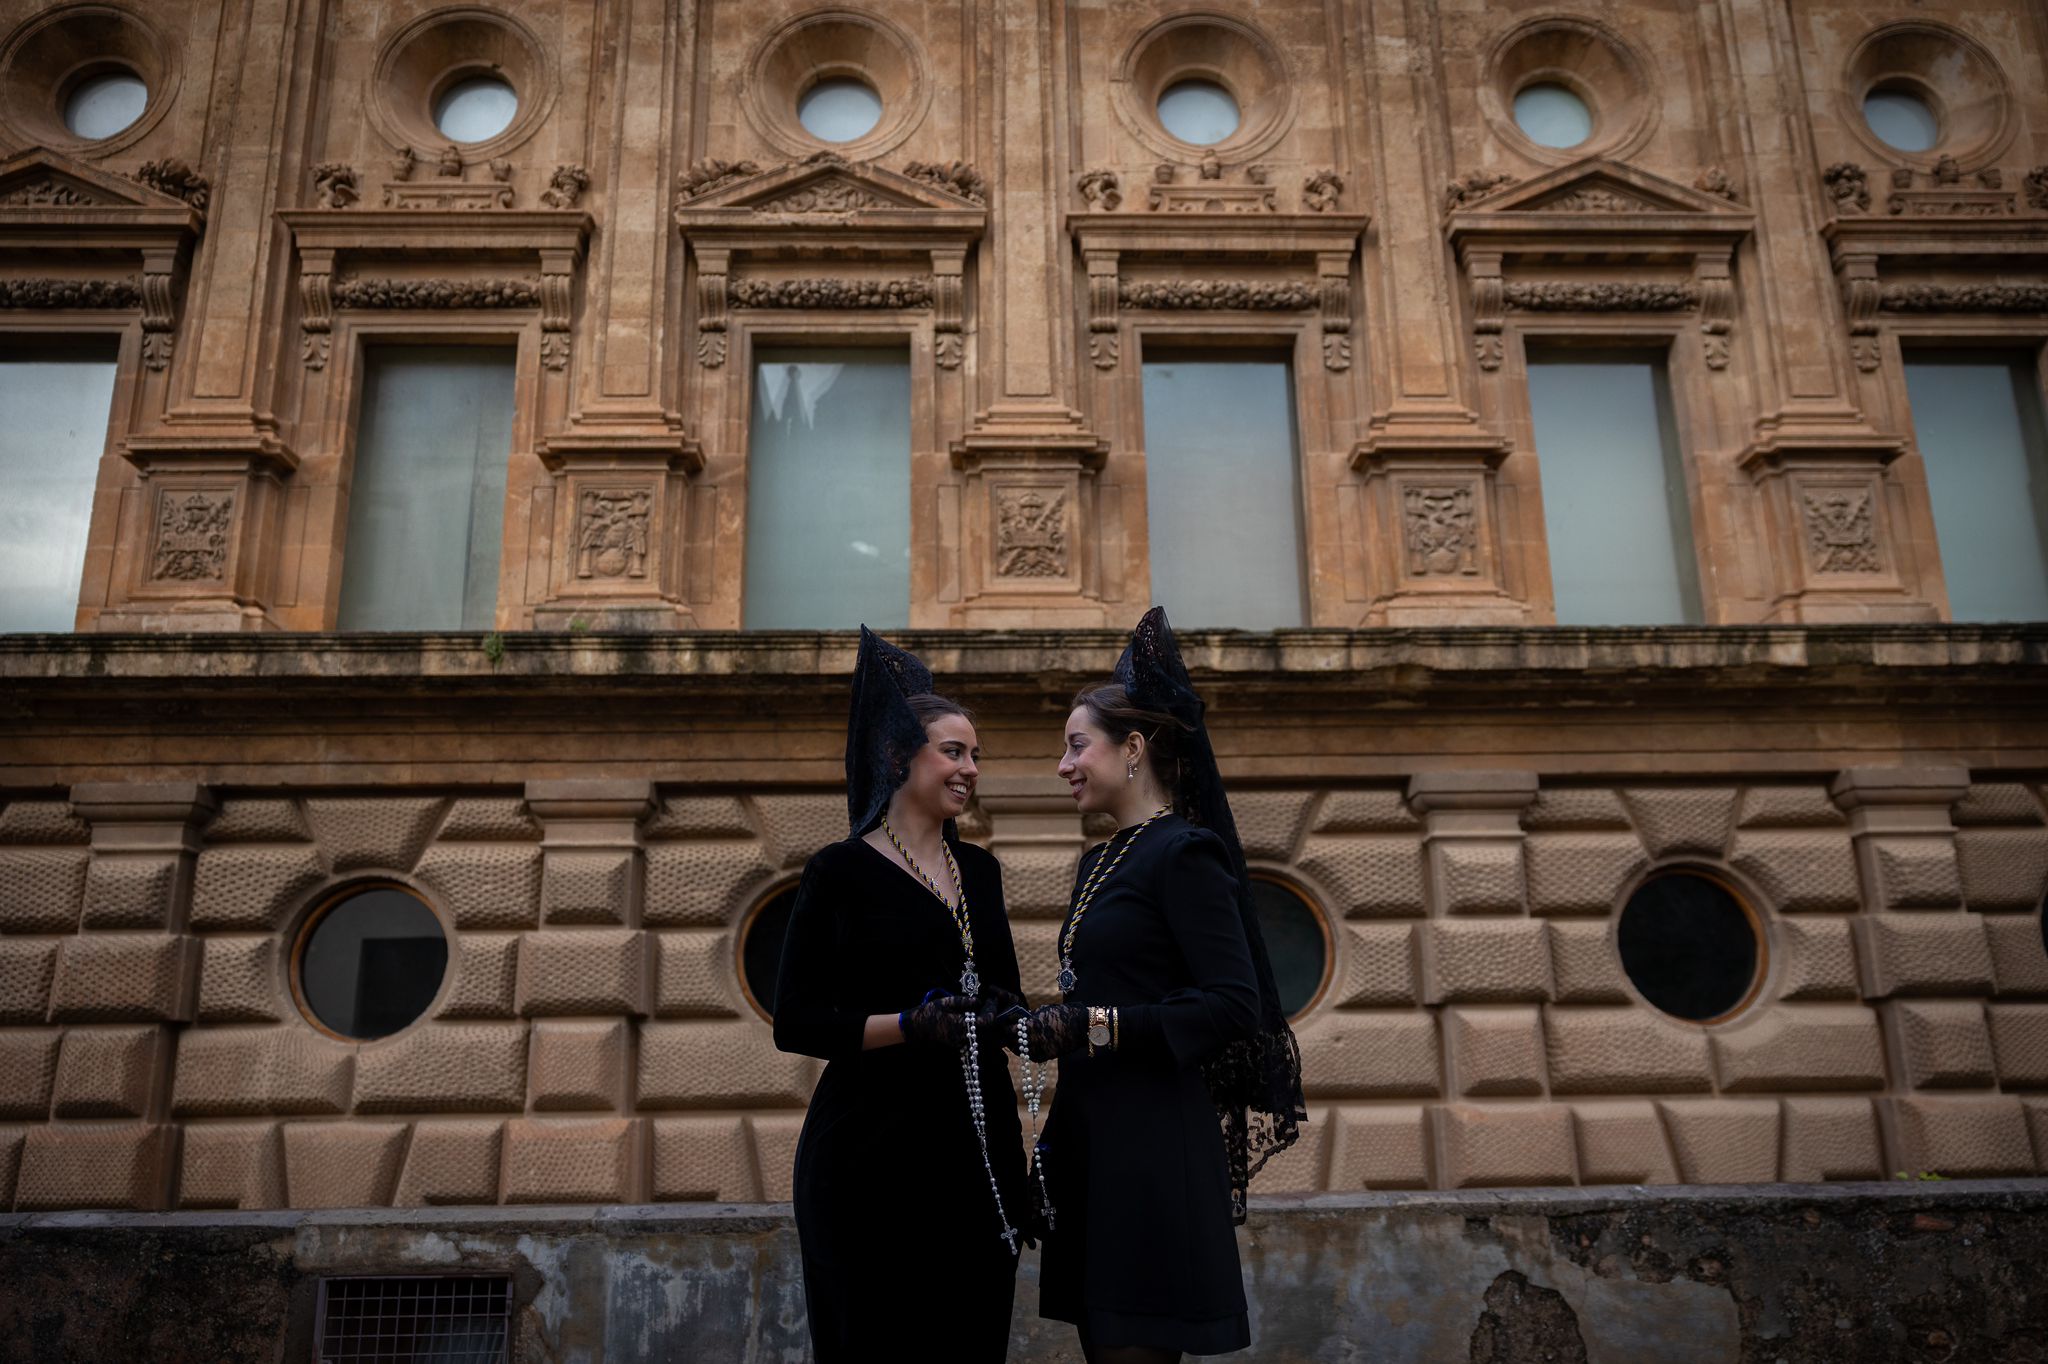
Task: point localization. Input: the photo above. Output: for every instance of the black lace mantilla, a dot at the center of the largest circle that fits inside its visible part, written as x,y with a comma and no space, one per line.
1255,1082
882,733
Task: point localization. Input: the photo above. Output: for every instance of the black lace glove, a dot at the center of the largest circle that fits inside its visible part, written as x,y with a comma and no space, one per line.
999,1008
1056,1029
941,1020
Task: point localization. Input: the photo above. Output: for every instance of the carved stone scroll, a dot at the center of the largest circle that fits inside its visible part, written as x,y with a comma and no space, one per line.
316,307
712,268
1489,307
1716,291
1333,276
1103,343
949,307
557,276
158,304
1860,298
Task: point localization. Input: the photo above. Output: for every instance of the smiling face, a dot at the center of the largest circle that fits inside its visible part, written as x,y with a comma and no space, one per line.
1094,766
943,774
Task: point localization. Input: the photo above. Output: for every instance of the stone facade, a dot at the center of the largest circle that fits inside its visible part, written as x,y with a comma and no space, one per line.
596,797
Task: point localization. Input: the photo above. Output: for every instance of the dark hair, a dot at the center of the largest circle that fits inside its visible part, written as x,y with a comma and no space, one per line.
1110,707
930,706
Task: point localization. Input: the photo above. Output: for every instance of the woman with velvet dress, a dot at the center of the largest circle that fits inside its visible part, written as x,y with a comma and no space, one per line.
1178,1075
909,1172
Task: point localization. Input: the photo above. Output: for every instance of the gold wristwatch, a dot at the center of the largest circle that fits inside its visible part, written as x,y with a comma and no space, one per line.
1098,1028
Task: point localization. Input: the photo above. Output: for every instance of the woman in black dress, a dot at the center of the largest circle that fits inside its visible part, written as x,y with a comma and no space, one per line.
909,1173
1178,1074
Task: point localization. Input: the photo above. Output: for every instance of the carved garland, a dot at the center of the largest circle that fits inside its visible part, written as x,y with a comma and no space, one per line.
1216,295
1711,291
436,293
914,292
1608,297
70,293
1964,298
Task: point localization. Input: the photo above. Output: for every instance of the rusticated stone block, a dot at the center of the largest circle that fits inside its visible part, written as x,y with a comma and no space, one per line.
1269,822
1575,807
131,892
1622,1141
1302,1167
568,1160
342,1164
703,1160
1580,873
1038,957
1997,803
259,820
1374,810
1519,1144
1624,1051
578,1065
583,971
2019,1042
1485,961
798,825
588,887
1367,876
41,889
1376,966
489,819
703,884
486,977
26,970
695,975
231,1165
1923,954
238,981
453,1161
1370,1055
93,1166
108,1072
1379,1148
719,1065
1801,872
125,978
1723,1141
1494,1052
1911,871
1958,1136
363,832
2003,868
1475,875
1678,819
12,1139
1788,807
247,1072
1802,1046
775,1136
2036,1110
485,885
252,888
699,817
2018,964
1816,959
42,821
1830,1139
1038,881
444,1068
1584,966
28,1072
1940,1043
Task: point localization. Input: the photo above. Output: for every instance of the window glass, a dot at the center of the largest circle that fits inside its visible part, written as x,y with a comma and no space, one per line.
1901,120
1614,505
56,404
475,109
100,106
1201,112
372,963
426,500
1222,491
1689,946
761,947
1552,116
1977,420
839,109
828,490
1295,943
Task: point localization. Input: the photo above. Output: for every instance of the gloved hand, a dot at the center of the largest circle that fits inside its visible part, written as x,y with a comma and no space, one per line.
1054,1030
999,1007
941,1020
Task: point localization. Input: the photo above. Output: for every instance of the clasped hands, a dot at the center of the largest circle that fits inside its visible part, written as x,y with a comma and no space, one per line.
1049,1031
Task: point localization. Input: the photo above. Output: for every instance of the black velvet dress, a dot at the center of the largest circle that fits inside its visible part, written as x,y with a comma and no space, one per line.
901,1246
1143,1251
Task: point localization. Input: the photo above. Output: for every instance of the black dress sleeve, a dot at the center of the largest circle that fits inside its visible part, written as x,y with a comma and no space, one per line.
809,1017
1198,897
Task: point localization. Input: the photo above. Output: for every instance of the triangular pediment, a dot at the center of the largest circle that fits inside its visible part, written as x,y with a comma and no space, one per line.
827,183
41,178
1596,186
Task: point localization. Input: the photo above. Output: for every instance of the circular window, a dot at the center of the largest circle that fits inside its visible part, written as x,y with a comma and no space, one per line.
1201,112
839,109
370,962
1691,946
761,948
100,106
1553,116
475,109
1297,942
1901,119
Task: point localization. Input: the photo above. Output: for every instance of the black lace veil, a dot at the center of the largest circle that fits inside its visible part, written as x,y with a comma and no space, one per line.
882,732
1255,1082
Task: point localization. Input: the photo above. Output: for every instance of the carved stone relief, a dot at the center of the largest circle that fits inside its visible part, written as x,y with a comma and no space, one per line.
70,293
1207,195
914,292
47,193
829,195
368,292
1099,189
710,174
1440,527
1841,536
1474,185
612,532
1216,295
191,541
1031,533
954,177
1848,186
1597,199
1321,191
335,185
565,187
173,177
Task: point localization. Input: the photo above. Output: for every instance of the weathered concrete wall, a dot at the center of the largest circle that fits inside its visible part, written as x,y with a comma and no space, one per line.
1785,1274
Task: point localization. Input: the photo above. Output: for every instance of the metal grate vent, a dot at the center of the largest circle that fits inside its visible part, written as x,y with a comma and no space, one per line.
415,1319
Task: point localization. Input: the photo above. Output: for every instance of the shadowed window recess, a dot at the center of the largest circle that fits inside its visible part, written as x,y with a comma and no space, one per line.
1297,940
1691,946
761,947
56,400
370,962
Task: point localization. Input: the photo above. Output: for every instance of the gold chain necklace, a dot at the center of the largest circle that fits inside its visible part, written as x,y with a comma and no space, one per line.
1095,879
970,979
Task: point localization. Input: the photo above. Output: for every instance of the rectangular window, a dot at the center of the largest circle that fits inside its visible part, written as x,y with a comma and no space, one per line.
1614,505
1222,490
1977,419
828,490
54,405
426,506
